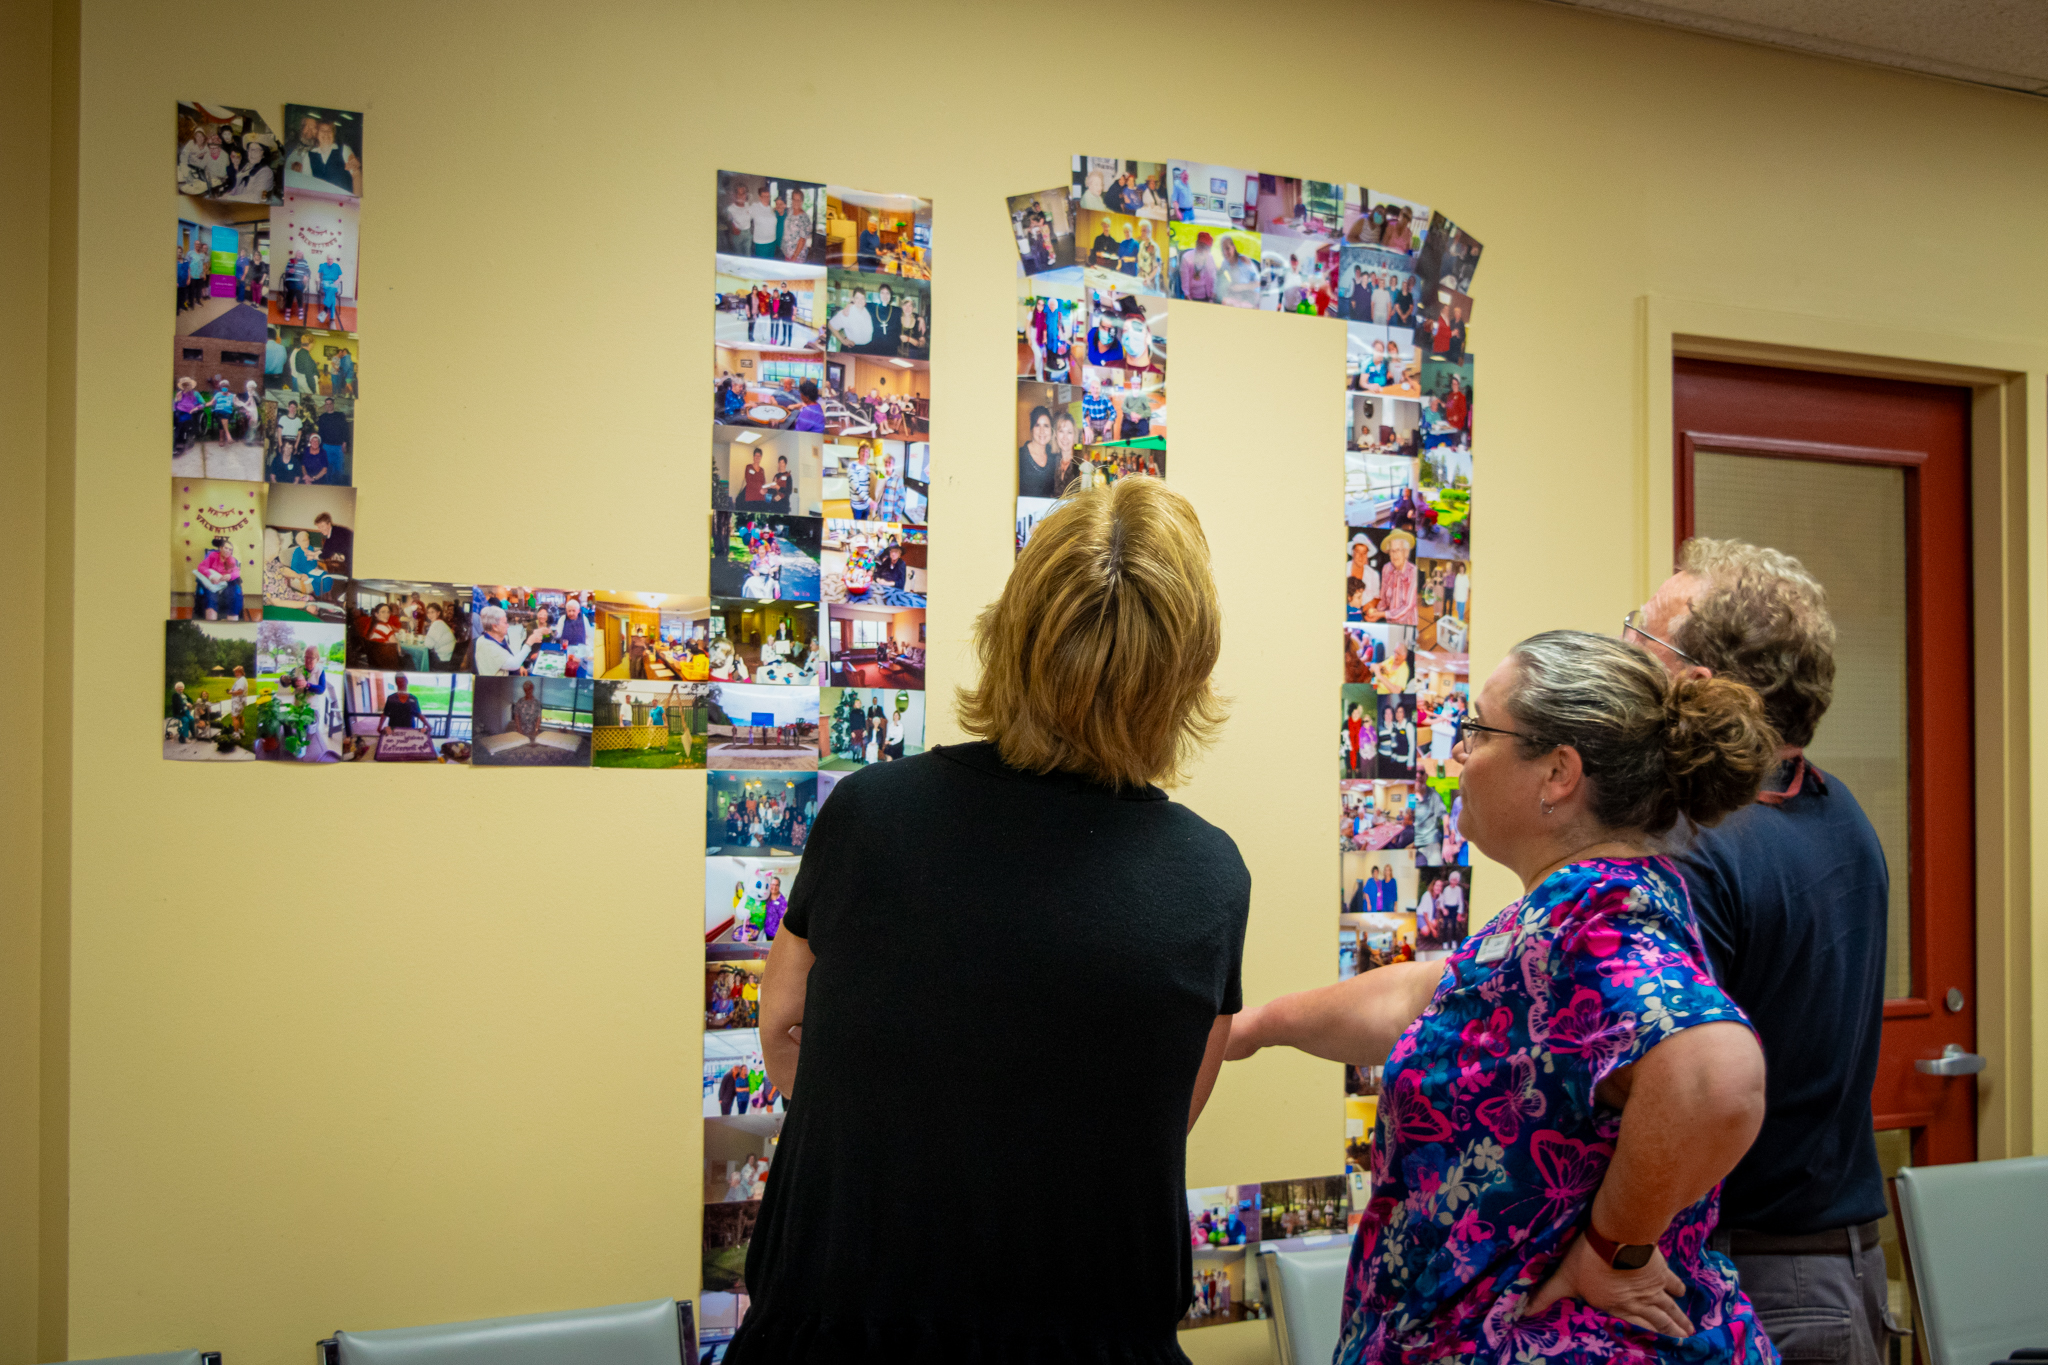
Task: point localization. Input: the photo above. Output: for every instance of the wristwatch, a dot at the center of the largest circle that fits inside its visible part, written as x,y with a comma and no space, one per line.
1618,1255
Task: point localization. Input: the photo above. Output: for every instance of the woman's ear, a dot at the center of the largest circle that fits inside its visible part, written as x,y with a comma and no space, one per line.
1564,775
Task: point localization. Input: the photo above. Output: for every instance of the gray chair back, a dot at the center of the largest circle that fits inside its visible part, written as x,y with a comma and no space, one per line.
1977,1234
1306,1292
160,1358
651,1333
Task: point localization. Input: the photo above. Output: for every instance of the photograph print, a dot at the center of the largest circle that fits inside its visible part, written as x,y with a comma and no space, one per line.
761,727
875,563
314,251
308,439
759,814
878,315
774,643
887,234
768,388
1050,327
1376,815
1212,196
1381,576
1211,264
216,408
757,471
771,219
323,150
1112,184
875,646
650,724
641,636
308,543
1448,257
216,546
1440,908
537,632
298,705
1126,246
223,260
1445,315
209,668
227,153
1372,218
768,305
1381,360
1043,224
398,717
1299,212
1319,1207
765,557
398,624
1123,341
1378,425
1048,435
1376,285
861,726
1381,657
744,902
526,722
1447,401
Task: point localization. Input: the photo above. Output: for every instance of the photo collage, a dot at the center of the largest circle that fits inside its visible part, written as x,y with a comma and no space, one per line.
807,660
1098,260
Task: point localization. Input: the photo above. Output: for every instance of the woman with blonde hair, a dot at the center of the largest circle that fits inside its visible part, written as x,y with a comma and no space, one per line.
1562,1094
1010,862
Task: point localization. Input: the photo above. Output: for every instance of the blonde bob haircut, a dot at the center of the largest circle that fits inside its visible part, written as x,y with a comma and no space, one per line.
1096,658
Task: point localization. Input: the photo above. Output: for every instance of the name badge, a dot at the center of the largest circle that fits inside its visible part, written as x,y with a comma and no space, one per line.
1494,947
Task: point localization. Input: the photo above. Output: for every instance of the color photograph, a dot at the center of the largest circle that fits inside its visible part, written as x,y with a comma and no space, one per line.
872,396
762,471
1397,738
311,365
1381,576
771,219
1438,806
871,480
1376,815
765,557
1443,603
308,542
887,234
1447,401
1119,186
307,439
1030,511
732,999
880,315
756,727
1441,332
1223,1216
1043,224
1305,211
1358,736
875,563
1449,256
1200,194
1376,285
1381,360
643,636
209,667
768,305
227,153
1373,218
216,541
1123,345
1048,433
875,646
1440,908
1121,417
1443,510
223,252
1124,245
1379,491
1102,465
768,388
1375,425
314,255
407,717
1207,264
774,643
539,632
744,902
869,725
650,724
532,722
296,698
398,624
1383,655
1318,1207
1376,883
1050,326
758,814
735,1081
323,150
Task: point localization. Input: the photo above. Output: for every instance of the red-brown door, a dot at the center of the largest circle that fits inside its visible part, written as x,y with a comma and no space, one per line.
1867,481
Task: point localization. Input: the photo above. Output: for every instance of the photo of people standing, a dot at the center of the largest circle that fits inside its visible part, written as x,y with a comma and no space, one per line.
223,253
1377,285
1447,402
323,150
768,304
1127,246
660,725
208,669
1208,264
771,220
762,814
227,153
888,234
1050,326
1213,196
1043,224
764,727
1108,183
1448,257
1440,909
863,726
756,471
308,439
1048,435
763,642
1123,344
882,315
308,546
744,902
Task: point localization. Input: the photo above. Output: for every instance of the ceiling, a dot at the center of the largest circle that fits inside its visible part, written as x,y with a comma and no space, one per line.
2001,43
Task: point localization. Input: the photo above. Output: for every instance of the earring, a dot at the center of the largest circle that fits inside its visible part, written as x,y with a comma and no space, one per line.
1548,809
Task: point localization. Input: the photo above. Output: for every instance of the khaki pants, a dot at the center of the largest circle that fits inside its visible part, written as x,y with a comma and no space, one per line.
1818,1306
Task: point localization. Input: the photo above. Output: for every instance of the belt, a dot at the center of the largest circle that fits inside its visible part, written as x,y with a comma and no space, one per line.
1848,1241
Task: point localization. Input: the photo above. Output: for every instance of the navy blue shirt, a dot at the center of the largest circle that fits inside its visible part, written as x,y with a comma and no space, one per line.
1792,898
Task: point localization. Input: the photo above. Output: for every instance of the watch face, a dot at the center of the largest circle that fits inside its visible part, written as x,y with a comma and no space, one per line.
1633,1257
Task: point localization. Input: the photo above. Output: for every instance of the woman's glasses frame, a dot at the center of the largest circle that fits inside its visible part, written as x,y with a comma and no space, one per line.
1470,726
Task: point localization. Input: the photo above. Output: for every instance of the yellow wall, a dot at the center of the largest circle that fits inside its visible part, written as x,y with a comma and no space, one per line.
298,1101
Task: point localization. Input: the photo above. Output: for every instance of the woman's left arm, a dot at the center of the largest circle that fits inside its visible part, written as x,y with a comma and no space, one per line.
1689,1110
784,983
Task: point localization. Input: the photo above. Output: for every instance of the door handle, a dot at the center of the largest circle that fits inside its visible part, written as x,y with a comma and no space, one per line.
1953,1061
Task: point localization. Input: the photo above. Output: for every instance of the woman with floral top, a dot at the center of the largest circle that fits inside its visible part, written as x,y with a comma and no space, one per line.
1564,1093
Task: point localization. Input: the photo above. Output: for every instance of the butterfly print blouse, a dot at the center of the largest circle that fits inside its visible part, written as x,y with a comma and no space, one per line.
1489,1144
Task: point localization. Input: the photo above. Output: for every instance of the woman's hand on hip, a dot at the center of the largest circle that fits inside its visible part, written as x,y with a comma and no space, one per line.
1647,1297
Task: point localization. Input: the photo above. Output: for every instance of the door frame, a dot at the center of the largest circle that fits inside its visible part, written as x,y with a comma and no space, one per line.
2009,568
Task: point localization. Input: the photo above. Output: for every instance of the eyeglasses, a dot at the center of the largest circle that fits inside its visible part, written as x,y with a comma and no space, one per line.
1633,622
1470,726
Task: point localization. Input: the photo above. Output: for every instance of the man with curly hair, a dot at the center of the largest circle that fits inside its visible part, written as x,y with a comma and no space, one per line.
1793,899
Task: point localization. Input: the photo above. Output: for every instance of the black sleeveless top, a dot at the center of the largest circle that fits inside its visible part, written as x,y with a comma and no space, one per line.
1015,981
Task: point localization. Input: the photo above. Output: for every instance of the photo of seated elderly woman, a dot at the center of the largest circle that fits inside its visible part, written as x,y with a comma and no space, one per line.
398,717
883,315
1375,815
308,542
539,632
650,724
874,646
208,669
1381,491
532,722
308,438
864,725
296,699
644,636
216,541
765,556
875,563
763,727
1383,656
865,396
763,642
744,901
1377,425
889,234
1381,360
782,390
227,153
416,627
1122,341
762,471
758,813
1447,402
